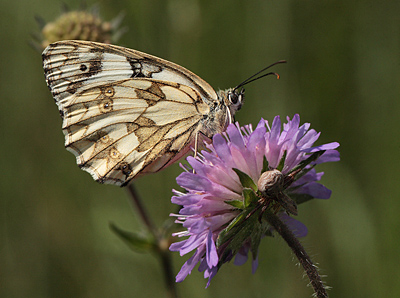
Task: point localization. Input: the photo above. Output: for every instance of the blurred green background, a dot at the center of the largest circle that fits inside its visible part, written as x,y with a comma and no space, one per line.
343,77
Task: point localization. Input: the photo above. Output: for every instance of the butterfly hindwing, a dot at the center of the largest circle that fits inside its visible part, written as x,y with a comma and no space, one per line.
125,113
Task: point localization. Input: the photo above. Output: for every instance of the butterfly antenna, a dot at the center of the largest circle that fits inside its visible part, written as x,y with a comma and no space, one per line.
252,78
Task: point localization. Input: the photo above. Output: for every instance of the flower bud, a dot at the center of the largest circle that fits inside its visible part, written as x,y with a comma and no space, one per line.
270,183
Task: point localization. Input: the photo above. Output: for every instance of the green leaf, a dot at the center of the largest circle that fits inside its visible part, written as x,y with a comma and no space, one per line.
256,237
226,233
135,241
306,162
282,162
255,240
265,165
235,238
245,180
241,230
249,197
301,173
235,203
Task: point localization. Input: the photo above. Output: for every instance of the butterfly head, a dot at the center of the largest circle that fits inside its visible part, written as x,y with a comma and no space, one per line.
233,99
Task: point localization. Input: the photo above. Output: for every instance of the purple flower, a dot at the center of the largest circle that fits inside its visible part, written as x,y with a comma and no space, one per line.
243,174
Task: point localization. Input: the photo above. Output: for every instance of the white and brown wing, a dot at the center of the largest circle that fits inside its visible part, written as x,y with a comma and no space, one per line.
71,65
125,113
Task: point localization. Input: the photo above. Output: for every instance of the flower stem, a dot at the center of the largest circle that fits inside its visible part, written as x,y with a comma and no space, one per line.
162,247
137,203
299,251
169,277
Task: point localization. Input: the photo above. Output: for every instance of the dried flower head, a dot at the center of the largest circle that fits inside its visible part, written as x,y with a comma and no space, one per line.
79,25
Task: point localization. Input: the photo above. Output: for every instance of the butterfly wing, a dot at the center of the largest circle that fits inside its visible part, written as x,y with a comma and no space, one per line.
125,113
72,65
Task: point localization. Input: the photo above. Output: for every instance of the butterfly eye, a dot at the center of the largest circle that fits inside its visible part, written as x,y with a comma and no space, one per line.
233,97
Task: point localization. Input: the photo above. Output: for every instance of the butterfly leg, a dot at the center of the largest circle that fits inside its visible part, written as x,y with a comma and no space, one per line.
196,144
196,147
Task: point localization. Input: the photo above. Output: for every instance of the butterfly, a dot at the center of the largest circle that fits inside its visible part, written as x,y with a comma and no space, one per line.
126,113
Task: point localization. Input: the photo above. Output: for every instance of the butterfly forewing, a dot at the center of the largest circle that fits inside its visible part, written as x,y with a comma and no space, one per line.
126,113
72,65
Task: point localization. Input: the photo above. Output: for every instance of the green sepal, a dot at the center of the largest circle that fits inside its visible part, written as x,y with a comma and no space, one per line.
137,242
265,165
241,230
306,162
245,180
282,162
249,197
225,234
230,230
235,203
256,238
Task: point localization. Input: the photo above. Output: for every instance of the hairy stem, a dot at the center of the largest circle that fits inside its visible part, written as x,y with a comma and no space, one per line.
299,251
166,263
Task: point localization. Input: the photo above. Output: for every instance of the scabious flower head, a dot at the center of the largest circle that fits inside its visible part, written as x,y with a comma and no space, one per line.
243,174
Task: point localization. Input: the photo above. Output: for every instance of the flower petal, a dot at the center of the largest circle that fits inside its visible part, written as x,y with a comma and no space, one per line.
315,190
328,146
298,228
254,265
188,266
197,183
240,259
328,156
211,251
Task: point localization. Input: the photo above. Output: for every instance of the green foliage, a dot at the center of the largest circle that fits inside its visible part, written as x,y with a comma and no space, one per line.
138,242
245,180
245,227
